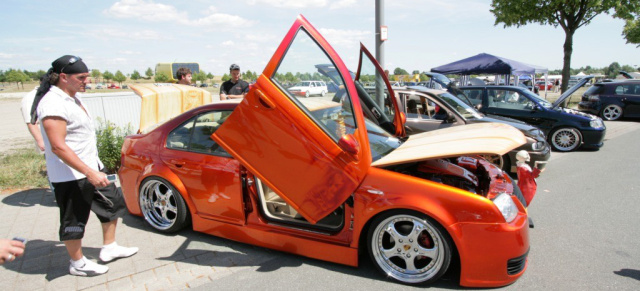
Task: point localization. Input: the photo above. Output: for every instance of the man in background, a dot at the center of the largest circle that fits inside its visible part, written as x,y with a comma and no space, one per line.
234,88
183,75
34,129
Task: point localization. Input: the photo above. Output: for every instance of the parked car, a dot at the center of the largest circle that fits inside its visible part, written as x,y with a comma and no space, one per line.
99,86
431,109
541,85
204,85
87,86
323,177
566,129
113,86
308,88
612,100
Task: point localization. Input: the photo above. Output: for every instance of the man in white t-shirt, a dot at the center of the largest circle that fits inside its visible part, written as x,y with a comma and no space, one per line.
34,129
73,165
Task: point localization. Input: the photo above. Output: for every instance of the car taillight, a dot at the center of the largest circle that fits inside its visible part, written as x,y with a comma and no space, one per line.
594,98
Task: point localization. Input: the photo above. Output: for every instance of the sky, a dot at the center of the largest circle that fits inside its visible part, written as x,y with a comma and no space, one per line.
129,35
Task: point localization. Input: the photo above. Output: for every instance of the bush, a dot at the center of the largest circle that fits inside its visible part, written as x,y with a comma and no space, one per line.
110,139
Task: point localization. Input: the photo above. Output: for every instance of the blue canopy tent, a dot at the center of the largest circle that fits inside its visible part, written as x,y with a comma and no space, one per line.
490,65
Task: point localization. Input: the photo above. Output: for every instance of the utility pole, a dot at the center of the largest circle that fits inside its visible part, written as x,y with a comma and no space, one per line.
381,36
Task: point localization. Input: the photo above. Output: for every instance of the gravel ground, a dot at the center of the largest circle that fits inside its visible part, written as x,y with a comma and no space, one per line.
13,130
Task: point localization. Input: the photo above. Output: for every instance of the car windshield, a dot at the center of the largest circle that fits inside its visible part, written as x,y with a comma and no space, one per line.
464,109
535,97
380,141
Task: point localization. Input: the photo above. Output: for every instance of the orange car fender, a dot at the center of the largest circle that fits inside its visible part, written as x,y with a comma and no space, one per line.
384,190
162,171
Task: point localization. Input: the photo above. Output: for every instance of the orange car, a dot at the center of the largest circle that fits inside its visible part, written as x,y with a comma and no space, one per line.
328,176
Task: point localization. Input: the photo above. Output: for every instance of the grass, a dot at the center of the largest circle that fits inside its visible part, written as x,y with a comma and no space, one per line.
23,168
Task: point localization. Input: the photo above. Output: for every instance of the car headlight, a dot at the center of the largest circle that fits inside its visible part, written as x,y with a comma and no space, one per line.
506,206
538,146
596,123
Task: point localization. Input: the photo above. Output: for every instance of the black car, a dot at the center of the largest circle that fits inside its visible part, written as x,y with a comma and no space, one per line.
430,109
612,100
566,129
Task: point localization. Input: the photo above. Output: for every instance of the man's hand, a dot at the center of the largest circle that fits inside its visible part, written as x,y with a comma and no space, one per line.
97,179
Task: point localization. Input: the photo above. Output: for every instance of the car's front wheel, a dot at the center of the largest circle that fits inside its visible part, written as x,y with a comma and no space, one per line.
323,93
306,94
611,112
162,205
565,139
409,247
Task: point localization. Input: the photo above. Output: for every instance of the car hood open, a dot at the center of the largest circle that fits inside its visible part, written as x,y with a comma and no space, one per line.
571,90
483,138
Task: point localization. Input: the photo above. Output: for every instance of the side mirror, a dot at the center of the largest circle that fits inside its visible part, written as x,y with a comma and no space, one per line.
450,118
349,144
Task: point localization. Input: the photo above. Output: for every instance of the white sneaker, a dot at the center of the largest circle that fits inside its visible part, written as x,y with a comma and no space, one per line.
89,269
108,254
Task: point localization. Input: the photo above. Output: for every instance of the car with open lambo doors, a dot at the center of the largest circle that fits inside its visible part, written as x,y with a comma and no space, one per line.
328,177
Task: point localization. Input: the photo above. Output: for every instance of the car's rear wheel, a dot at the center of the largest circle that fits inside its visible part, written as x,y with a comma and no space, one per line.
323,93
499,161
162,205
409,247
611,112
565,139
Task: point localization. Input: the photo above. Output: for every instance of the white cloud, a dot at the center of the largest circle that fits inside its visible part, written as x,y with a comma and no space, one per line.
127,52
345,38
6,56
132,35
342,4
150,11
293,4
228,43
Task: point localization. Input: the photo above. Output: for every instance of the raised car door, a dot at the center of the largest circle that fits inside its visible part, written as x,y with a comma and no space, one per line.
312,151
369,71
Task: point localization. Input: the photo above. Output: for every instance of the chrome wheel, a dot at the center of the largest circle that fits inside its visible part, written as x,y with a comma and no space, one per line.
612,112
566,139
162,206
306,94
409,248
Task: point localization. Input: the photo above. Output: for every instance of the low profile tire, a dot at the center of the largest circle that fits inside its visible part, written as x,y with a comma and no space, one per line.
162,206
409,247
611,112
565,139
498,161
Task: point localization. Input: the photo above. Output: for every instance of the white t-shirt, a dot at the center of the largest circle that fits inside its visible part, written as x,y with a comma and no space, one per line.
81,135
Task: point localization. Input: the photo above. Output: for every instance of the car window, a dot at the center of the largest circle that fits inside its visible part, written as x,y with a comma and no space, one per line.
628,89
462,108
508,99
418,107
195,134
474,95
331,112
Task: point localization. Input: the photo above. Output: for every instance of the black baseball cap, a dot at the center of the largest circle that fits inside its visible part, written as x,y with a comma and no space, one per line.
234,67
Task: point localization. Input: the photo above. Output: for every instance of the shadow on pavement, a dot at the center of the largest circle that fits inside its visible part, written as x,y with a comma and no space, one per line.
631,273
47,258
31,197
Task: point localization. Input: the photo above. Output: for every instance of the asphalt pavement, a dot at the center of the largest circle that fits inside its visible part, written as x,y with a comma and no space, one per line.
585,237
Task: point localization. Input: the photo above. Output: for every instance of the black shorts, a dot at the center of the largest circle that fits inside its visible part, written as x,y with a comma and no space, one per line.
77,198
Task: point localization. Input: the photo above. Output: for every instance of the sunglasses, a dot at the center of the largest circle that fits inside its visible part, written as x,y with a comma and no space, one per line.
72,61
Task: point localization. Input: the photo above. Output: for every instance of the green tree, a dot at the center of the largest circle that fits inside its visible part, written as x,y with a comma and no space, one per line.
16,76
149,73
161,78
95,73
119,77
631,31
568,14
135,75
415,72
612,70
400,71
107,76
200,76
225,77
210,77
